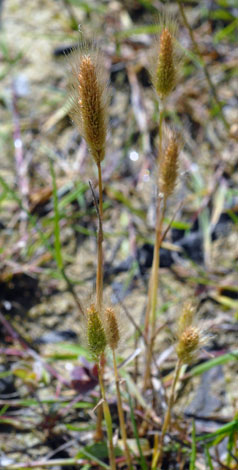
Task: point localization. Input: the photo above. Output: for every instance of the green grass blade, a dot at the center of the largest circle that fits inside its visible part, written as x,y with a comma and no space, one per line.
226,32
72,195
73,350
201,368
4,409
209,465
133,421
230,446
57,243
226,429
28,402
120,197
93,458
193,453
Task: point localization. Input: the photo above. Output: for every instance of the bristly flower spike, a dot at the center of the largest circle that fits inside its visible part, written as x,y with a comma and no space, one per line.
89,94
188,344
113,338
111,328
190,337
164,65
186,318
169,165
95,333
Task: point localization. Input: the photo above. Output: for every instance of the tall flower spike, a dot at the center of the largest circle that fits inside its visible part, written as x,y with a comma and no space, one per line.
190,337
169,166
186,317
96,333
90,99
111,327
188,344
164,65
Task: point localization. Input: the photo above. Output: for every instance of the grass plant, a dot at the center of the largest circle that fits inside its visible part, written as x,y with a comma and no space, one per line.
164,76
89,111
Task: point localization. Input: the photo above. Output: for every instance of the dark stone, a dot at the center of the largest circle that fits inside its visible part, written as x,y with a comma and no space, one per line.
56,337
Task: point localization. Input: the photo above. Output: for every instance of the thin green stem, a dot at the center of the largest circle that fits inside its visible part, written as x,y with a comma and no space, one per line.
155,266
154,290
121,415
158,453
99,281
148,308
98,435
108,420
154,278
161,117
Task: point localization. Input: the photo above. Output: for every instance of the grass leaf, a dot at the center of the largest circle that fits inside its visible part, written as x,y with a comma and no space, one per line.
57,243
135,430
223,430
209,465
193,453
223,359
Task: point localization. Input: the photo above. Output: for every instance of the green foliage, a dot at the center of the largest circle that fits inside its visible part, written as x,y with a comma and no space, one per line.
223,359
229,431
58,251
142,460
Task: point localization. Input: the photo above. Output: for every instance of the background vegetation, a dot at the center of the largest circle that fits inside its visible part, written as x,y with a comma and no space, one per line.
48,226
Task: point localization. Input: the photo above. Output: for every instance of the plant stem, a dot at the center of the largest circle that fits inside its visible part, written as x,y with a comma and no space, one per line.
155,266
154,278
158,453
205,68
99,281
108,420
98,435
121,415
161,117
154,289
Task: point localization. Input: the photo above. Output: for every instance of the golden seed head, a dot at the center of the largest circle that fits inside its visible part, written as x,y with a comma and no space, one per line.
186,317
164,59
166,73
190,337
169,166
89,100
95,333
112,329
188,344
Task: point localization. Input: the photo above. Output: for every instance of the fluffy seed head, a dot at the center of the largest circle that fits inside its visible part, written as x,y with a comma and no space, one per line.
169,166
186,317
95,333
190,337
164,61
188,344
90,99
111,327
